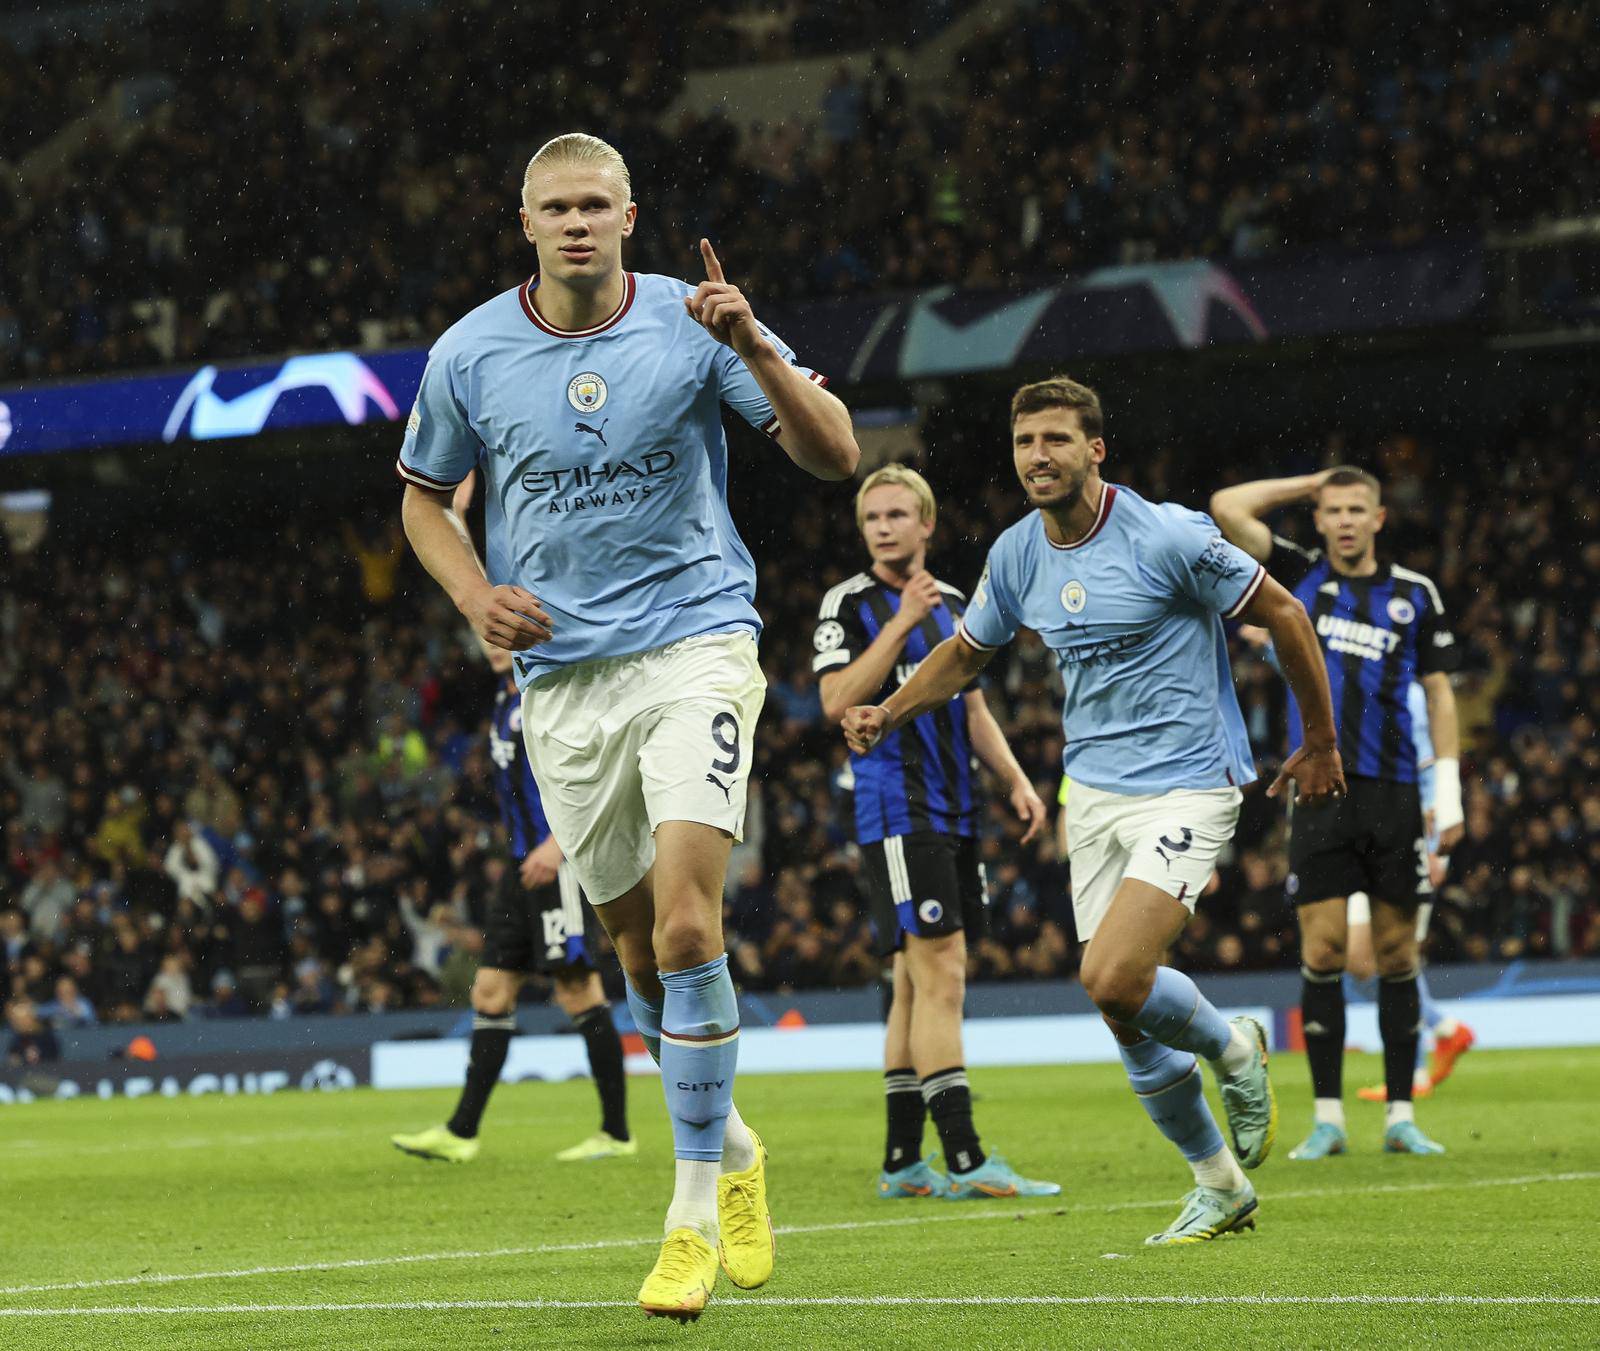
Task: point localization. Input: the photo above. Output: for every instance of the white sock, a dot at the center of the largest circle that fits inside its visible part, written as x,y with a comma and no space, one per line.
1330,1111
694,1199
1220,1172
1398,1111
1235,1055
1445,1027
738,1145
1421,1079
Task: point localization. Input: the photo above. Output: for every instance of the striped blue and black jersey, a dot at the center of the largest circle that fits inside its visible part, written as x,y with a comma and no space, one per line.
1379,634
923,776
520,807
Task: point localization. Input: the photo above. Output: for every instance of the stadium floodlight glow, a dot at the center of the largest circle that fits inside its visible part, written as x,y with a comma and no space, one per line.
344,375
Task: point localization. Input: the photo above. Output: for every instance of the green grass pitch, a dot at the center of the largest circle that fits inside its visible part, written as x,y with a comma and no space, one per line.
289,1221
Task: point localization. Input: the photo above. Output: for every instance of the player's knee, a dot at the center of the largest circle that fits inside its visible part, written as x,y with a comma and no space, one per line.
494,993
1323,952
686,939
577,994
1396,955
1118,989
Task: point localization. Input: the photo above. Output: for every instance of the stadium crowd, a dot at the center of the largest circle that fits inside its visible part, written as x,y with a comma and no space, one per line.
349,179
244,770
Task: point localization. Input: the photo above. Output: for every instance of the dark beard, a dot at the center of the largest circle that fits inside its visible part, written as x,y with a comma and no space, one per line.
1067,492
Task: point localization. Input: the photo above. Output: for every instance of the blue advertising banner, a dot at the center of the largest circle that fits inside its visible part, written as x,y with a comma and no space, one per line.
211,403
941,332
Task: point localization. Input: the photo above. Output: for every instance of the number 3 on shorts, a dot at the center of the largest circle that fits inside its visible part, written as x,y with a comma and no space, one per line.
725,732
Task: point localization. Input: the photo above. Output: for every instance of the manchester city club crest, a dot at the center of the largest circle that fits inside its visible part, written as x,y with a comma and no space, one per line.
1073,597
587,392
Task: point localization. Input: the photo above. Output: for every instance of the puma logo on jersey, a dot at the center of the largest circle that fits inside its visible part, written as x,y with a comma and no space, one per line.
599,431
726,792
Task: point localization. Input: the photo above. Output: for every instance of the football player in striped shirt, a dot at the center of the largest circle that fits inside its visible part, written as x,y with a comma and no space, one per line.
1382,628
918,811
592,398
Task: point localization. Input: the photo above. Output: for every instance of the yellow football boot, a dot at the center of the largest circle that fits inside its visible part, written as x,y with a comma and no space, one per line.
437,1142
746,1244
680,1283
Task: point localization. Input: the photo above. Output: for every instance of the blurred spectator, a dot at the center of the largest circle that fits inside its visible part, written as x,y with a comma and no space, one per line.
32,1042
171,983
226,1001
69,1008
46,898
192,864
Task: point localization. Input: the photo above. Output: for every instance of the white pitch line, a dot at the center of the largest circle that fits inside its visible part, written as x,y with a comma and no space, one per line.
830,1302
38,1148
975,1215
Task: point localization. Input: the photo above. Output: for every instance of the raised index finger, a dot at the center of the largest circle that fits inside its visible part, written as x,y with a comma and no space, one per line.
713,267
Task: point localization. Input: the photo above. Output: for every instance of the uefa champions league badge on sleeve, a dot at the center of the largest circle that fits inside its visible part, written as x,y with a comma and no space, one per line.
587,392
829,635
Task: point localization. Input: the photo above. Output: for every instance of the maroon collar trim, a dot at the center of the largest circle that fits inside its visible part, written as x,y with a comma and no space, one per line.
525,294
1107,496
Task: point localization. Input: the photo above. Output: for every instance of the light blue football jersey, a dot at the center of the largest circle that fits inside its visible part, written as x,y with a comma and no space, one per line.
605,465
1422,739
1133,612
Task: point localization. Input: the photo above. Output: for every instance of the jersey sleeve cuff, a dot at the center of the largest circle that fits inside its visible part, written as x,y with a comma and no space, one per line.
410,475
965,634
1243,603
771,426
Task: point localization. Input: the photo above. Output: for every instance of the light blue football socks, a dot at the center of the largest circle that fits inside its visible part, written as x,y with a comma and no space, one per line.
1172,1091
1178,1015
699,1050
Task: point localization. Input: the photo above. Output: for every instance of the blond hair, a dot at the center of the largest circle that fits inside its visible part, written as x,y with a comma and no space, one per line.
898,476
1061,391
578,147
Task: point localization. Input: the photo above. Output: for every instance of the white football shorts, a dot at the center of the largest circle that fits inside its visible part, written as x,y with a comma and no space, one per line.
1170,840
621,744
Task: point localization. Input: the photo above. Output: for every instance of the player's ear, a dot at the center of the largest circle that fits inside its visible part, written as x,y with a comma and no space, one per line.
527,225
1379,517
1097,450
628,218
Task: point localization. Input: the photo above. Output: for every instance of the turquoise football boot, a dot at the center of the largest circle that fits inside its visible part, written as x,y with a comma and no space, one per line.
994,1178
915,1179
1325,1140
1208,1213
1404,1138
1248,1100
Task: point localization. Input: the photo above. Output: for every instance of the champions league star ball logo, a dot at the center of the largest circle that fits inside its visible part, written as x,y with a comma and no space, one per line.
930,912
829,635
1073,597
587,392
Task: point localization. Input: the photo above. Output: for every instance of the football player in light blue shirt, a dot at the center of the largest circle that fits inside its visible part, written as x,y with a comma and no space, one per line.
1130,596
591,399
